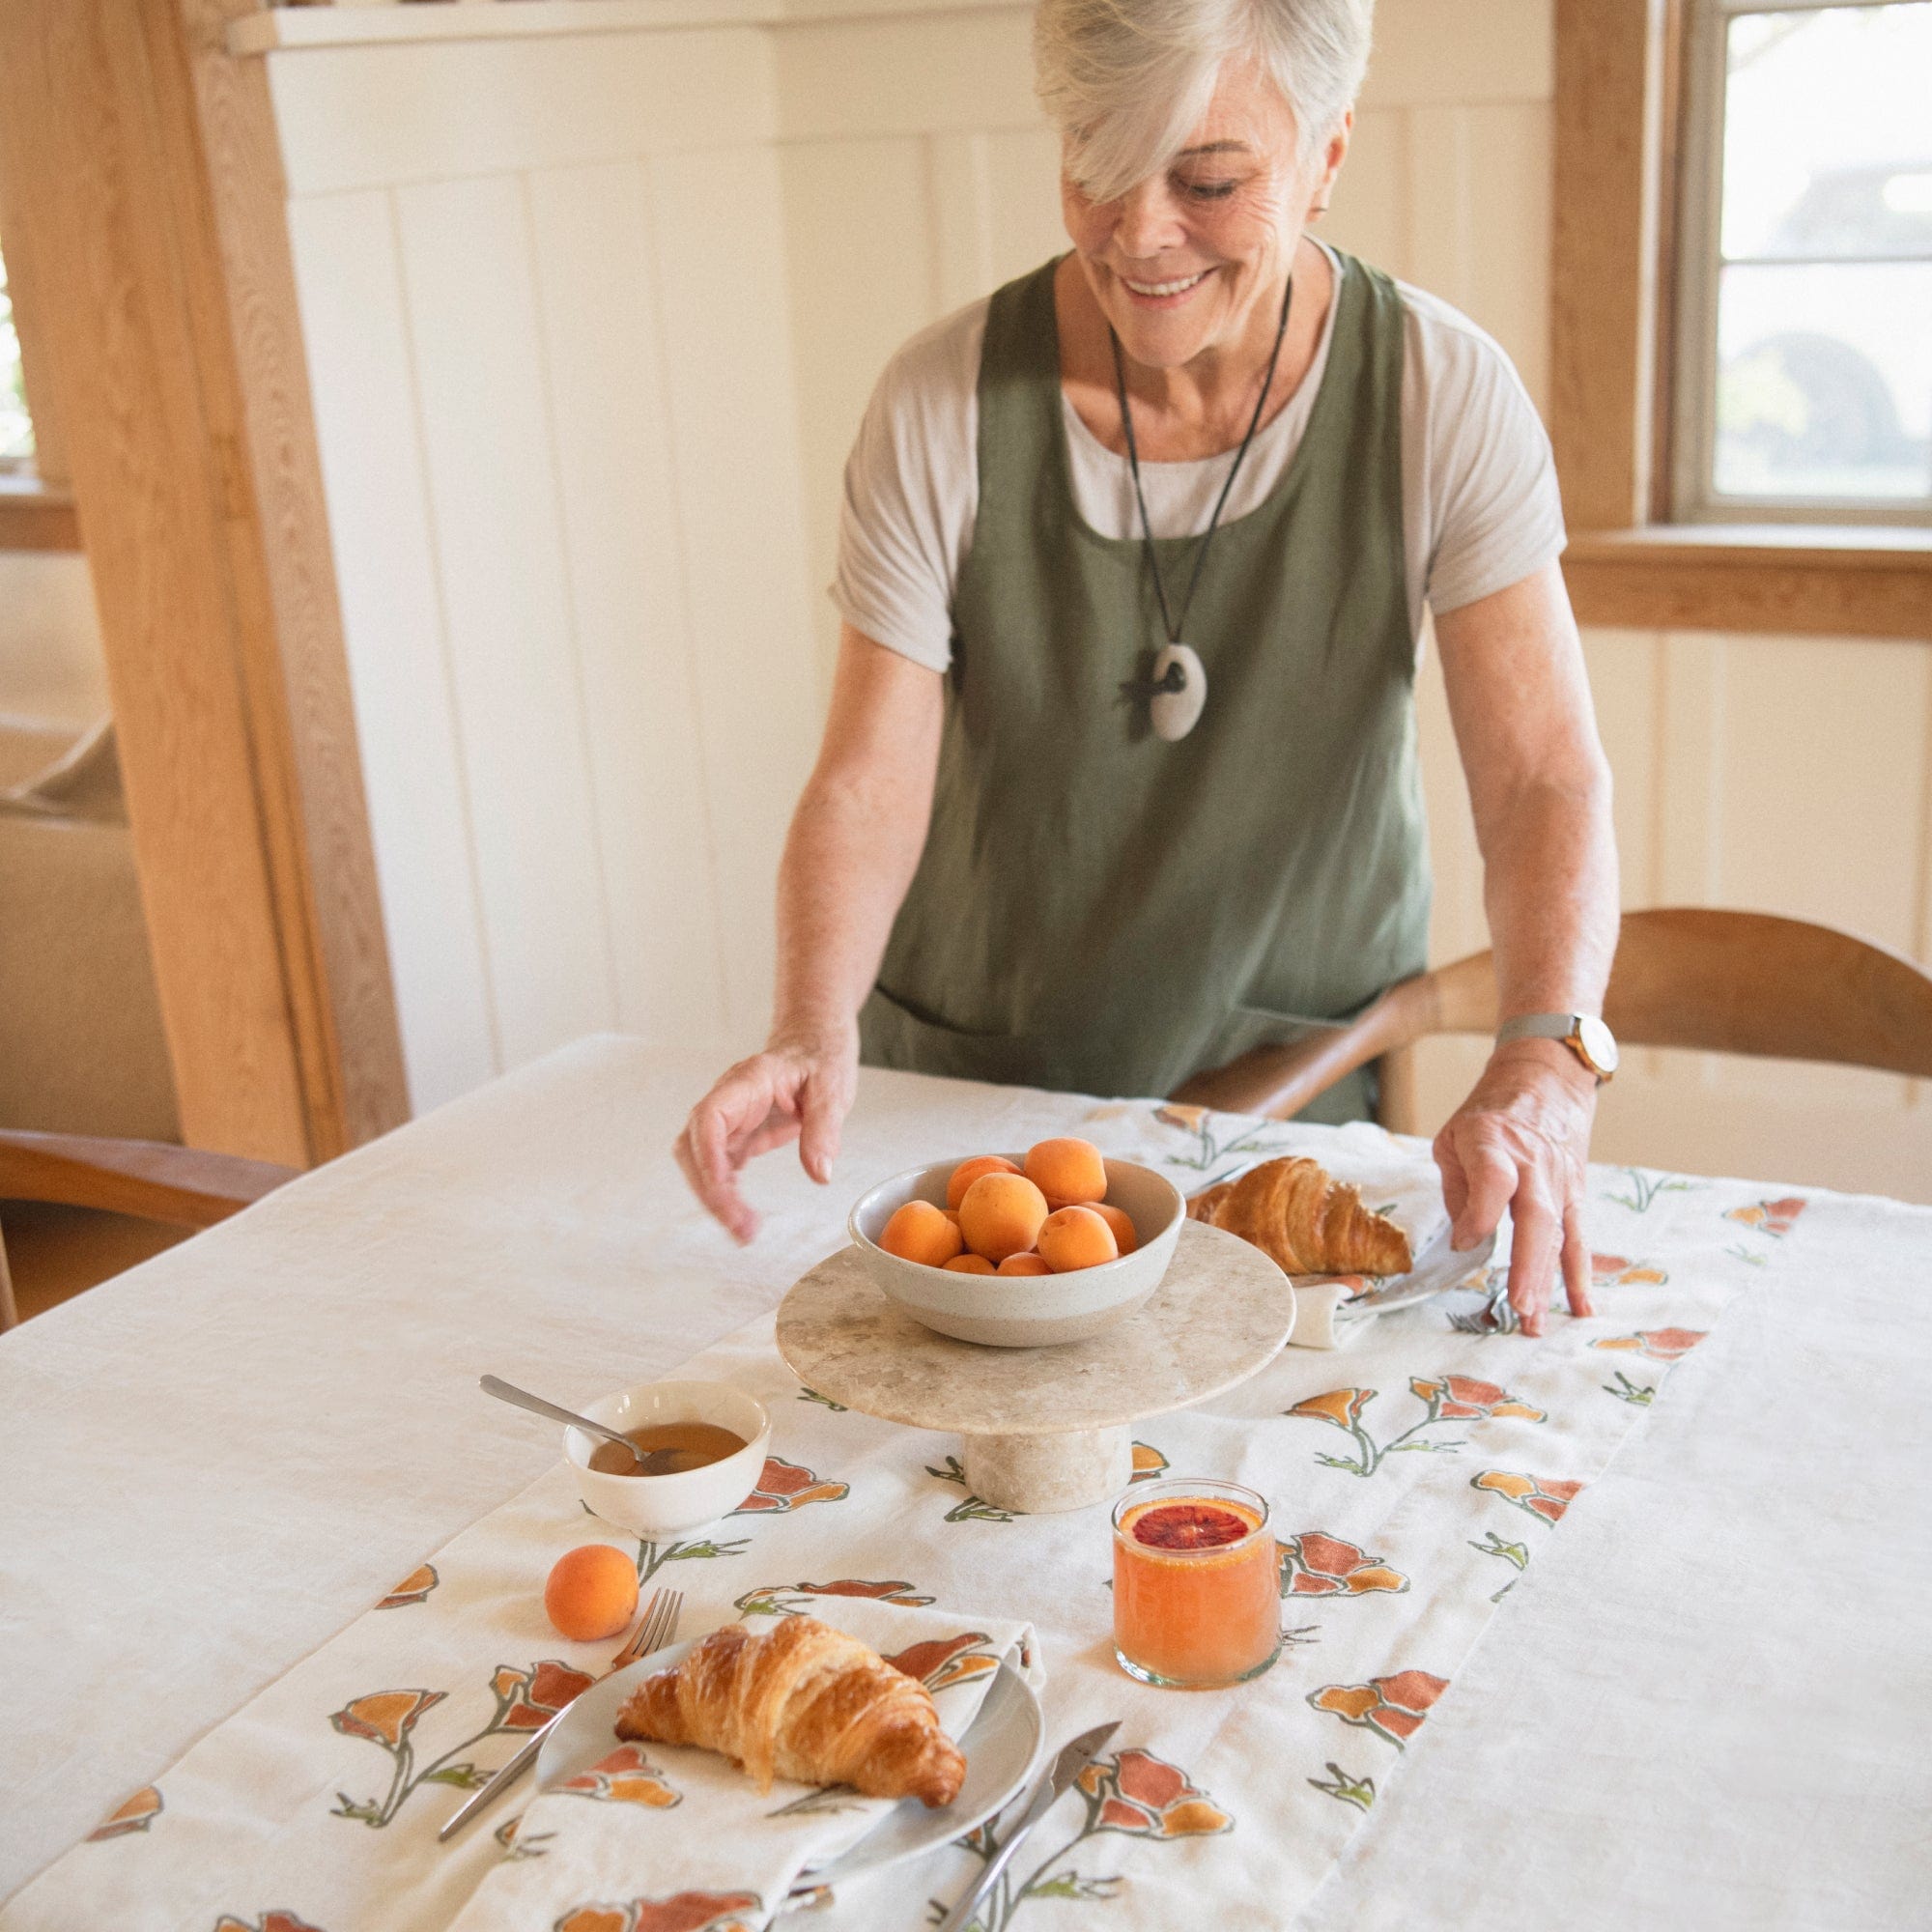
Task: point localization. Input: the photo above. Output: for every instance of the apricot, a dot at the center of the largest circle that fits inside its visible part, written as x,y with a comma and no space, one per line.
1075,1238
969,1171
969,1264
1000,1215
1069,1173
1117,1218
1025,1263
591,1593
919,1232
952,1214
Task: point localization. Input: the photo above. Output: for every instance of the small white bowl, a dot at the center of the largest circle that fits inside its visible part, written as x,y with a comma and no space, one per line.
659,1508
1025,1311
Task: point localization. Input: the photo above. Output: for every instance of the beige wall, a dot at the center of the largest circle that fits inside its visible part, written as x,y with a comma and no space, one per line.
582,641
51,668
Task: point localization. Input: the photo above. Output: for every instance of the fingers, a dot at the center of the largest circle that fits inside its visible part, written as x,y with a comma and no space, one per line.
716,1140
1454,1184
822,1115
1490,1178
1576,1259
1536,1237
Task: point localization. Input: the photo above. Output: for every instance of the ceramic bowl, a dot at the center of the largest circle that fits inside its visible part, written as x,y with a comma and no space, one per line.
1023,1311
660,1508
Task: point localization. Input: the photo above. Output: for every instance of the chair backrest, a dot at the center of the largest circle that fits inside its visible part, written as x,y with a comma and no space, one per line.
149,1179
1686,976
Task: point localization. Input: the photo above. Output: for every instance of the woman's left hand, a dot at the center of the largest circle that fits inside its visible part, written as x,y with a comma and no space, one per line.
1521,1140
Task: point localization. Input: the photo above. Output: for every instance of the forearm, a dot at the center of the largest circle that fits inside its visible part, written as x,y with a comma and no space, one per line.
854,846
1550,887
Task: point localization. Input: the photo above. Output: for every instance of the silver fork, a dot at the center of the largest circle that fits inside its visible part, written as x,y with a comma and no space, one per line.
656,1628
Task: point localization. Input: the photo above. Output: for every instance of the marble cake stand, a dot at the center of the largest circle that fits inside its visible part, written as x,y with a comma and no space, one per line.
1046,1429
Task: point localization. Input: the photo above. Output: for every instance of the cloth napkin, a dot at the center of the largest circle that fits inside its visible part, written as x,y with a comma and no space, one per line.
655,1831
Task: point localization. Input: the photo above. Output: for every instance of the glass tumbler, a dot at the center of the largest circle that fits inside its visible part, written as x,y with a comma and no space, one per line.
1197,1600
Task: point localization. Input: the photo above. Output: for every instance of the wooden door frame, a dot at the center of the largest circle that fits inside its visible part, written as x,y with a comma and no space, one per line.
145,185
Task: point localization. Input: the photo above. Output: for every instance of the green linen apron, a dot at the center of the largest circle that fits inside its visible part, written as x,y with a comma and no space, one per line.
1096,910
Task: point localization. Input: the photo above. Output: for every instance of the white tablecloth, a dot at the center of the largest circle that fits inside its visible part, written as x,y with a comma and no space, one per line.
1706,1705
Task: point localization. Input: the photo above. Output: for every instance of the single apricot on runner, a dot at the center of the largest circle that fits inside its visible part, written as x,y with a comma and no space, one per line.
1125,1236
1028,1262
970,1263
919,1232
969,1171
1069,1172
1075,1238
1000,1215
591,1592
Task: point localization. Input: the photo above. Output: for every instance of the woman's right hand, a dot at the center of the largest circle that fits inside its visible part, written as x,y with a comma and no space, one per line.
799,1088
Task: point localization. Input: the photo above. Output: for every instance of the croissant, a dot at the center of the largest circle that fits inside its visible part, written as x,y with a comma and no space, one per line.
802,1701
1305,1221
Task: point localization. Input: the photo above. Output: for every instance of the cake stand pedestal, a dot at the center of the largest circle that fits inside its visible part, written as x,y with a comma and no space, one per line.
1046,1429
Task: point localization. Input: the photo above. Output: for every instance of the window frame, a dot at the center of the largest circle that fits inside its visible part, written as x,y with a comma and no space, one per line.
1619,163
1694,498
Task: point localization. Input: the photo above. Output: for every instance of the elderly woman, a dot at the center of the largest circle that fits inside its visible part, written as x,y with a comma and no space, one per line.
1119,774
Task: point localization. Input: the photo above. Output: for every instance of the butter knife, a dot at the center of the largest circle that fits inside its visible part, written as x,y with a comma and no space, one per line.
1437,1269
1074,1759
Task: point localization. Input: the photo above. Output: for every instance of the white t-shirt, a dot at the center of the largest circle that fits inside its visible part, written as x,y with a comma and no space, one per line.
1480,503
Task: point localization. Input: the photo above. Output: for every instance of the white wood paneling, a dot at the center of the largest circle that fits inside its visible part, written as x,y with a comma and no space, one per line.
623,530
362,378
468,287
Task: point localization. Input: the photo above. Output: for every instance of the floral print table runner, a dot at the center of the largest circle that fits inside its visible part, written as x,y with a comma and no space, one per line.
1412,1482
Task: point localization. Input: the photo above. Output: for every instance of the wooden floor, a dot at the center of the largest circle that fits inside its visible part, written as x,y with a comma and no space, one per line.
55,1253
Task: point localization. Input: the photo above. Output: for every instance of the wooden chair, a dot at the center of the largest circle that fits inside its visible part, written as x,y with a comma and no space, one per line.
1686,976
149,1179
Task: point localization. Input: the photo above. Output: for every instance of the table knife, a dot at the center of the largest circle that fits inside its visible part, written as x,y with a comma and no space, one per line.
1074,1759
1439,1268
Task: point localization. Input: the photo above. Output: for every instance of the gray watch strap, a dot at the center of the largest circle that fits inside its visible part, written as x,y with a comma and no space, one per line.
1537,1025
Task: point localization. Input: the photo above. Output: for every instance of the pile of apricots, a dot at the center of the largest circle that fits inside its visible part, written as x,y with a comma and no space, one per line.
1049,1216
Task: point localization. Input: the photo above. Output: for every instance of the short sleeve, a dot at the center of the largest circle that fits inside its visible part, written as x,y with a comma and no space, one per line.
1494,513
905,520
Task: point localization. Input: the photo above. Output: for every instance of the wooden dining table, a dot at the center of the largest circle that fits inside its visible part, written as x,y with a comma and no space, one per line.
1709,1704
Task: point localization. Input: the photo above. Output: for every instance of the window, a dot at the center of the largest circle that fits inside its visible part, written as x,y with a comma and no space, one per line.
1805,348
17,426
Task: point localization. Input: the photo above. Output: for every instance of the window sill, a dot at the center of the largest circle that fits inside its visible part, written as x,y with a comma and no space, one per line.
33,517
1805,578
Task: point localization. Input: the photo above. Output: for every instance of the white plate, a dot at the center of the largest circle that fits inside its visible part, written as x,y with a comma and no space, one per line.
1001,1744
1438,1269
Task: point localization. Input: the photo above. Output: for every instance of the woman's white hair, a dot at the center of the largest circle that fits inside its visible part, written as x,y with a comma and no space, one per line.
1126,81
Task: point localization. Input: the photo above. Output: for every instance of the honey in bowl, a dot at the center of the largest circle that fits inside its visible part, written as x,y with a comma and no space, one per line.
1197,1602
693,1445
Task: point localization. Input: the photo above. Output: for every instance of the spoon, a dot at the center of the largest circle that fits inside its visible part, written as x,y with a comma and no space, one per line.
649,1462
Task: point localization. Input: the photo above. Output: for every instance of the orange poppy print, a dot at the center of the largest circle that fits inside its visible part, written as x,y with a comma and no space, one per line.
1342,1406
1392,1707
685,1911
1545,1497
783,1486
786,1600
412,1589
1614,1271
526,1700
1148,1464
1146,1797
1660,1345
943,1661
1464,1399
1314,1564
132,1815
385,1717
626,1777
1770,1218
268,1921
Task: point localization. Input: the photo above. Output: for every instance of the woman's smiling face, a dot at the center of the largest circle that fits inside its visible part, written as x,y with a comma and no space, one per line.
1193,259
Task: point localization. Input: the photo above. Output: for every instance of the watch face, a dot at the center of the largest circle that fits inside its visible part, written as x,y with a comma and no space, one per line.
1599,1042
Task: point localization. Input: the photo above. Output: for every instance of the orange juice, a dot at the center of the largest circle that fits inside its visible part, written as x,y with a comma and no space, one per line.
1196,1598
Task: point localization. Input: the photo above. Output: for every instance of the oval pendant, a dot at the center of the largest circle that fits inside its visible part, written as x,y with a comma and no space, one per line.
1176,708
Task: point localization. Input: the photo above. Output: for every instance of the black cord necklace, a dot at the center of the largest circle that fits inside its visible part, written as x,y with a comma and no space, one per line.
1178,688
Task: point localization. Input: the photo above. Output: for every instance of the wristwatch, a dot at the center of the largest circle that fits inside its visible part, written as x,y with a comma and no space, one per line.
1585,1035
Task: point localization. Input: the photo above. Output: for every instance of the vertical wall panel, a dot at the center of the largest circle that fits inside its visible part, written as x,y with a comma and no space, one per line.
621,521
360,376
519,688
734,442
